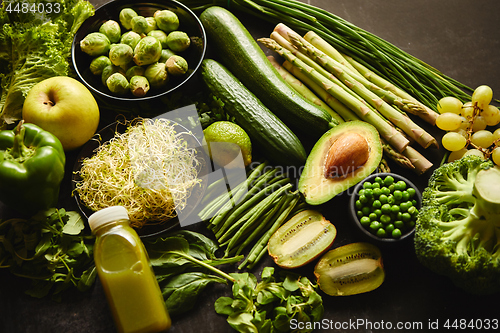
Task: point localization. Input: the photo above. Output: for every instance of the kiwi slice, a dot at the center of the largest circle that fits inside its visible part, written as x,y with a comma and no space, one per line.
350,269
301,239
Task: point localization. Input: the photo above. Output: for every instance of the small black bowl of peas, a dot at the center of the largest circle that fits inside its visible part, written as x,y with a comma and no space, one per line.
385,207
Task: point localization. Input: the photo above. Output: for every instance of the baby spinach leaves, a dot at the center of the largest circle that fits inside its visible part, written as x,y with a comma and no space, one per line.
270,305
49,248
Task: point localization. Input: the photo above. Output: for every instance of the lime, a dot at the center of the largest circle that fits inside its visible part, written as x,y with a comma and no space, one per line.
225,140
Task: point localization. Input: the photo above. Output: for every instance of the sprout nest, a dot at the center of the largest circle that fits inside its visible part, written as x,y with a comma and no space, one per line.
149,169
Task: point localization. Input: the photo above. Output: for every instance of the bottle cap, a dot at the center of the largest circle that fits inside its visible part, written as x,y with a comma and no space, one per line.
107,215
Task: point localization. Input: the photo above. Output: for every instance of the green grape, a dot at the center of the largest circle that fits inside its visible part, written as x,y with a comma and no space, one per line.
496,136
482,138
465,123
475,152
456,155
495,155
491,114
479,124
448,121
453,141
449,104
468,110
482,96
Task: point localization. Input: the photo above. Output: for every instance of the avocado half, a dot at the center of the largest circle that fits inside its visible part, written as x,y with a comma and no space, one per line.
316,187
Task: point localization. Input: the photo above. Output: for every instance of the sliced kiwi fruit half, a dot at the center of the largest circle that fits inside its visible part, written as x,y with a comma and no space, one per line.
350,269
303,238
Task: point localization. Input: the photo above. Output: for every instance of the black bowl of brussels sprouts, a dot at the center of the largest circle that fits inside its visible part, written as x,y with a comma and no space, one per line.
133,51
384,206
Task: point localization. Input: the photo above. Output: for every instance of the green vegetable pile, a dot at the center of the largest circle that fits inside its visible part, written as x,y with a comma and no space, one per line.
51,249
458,227
34,46
387,208
270,305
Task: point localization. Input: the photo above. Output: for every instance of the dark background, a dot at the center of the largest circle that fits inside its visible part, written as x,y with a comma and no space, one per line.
458,37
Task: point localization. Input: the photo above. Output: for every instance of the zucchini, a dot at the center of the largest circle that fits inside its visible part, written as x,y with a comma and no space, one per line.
241,54
278,143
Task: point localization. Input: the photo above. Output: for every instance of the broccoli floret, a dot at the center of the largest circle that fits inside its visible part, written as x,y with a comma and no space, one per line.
458,227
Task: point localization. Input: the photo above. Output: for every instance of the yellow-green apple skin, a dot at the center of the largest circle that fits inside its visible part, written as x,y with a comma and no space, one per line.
64,107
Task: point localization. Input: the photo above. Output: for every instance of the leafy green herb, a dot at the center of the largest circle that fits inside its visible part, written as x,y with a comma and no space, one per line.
270,305
34,46
49,248
182,262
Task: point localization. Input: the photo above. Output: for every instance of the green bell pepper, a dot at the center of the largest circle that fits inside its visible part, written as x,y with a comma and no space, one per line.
31,168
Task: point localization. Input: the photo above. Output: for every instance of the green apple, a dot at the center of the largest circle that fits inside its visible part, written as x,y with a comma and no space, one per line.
65,107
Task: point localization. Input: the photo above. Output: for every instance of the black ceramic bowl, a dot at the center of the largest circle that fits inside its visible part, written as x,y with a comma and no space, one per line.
188,22
406,233
152,229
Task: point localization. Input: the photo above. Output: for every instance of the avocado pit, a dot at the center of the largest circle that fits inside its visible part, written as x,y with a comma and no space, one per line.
348,153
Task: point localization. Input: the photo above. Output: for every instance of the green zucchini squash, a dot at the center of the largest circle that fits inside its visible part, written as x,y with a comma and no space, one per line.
241,54
279,144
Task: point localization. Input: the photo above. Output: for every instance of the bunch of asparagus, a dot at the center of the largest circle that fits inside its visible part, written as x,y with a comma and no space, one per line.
353,92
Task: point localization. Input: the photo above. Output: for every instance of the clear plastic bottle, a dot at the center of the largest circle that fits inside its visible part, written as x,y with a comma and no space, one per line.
126,274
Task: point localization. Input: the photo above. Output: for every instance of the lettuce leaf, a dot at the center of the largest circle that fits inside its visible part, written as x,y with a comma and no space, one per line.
33,47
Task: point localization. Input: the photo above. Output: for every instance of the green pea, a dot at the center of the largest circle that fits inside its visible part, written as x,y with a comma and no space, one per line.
411,191
391,200
400,185
405,206
363,199
368,193
395,209
391,188
414,202
406,196
399,224
358,204
377,192
379,180
361,192
375,225
365,221
376,185
386,191
383,199
359,214
410,225
381,232
367,185
412,210
406,217
389,180
398,195
378,212
376,204
386,208
366,210
389,228
396,233
385,219
373,217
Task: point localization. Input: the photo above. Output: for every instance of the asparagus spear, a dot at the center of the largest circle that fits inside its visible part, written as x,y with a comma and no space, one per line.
420,162
302,89
400,119
388,132
380,86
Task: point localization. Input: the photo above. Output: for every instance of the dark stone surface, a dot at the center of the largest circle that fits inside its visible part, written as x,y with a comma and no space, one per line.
460,38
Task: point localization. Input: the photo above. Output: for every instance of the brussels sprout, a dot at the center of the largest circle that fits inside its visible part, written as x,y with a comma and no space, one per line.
178,41
117,83
160,35
147,51
165,54
98,64
176,65
151,24
134,71
139,24
139,85
112,30
125,17
108,71
130,38
95,44
121,54
166,20
156,74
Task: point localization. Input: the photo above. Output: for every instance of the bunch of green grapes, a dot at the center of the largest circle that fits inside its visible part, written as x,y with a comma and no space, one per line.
468,125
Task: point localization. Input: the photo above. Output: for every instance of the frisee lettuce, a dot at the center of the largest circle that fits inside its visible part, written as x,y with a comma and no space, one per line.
34,46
